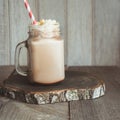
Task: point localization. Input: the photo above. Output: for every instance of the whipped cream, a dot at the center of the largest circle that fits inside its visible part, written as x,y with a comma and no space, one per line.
49,28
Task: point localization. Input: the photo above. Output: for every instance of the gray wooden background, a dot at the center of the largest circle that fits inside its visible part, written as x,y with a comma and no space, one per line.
91,29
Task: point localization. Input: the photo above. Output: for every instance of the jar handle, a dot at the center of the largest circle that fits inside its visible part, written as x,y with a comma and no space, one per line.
17,55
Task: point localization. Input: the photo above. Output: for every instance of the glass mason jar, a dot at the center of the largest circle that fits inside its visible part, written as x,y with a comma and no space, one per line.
45,56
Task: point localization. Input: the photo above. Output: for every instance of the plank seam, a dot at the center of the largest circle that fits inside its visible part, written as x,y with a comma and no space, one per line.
66,31
93,33
69,115
9,34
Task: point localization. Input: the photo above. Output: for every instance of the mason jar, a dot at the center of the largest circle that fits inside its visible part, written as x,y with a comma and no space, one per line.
45,56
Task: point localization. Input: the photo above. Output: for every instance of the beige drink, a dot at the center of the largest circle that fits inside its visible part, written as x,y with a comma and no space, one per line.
47,61
45,53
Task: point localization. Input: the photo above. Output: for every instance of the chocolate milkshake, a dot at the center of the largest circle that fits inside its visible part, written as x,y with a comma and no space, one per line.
45,53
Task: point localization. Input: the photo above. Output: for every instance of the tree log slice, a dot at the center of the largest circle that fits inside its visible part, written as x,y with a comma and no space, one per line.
76,86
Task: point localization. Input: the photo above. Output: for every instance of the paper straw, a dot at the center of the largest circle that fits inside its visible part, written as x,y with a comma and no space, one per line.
30,12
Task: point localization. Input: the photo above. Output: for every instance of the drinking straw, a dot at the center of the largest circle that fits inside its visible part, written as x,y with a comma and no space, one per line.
30,12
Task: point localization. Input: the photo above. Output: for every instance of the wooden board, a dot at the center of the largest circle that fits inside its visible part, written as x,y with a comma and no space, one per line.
4,33
79,32
20,111
76,86
105,108
90,29
106,45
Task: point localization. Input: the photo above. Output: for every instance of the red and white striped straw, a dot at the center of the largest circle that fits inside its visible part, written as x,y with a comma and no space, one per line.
30,12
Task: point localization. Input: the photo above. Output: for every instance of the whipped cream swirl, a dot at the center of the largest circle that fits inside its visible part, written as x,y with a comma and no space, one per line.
48,28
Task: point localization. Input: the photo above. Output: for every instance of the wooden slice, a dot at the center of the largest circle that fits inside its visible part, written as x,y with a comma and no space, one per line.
76,86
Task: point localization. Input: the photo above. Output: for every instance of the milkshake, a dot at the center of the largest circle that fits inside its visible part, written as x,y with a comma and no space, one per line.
45,53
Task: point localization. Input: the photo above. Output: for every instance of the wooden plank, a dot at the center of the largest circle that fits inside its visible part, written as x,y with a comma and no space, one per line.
12,110
104,108
26,111
117,78
83,110
79,32
19,21
5,71
106,32
110,104
3,101
55,9
4,33
4,57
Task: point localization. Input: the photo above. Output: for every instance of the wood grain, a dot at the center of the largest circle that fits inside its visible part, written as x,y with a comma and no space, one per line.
90,28
55,9
79,32
76,86
104,108
106,44
19,21
20,111
117,71
5,72
4,33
